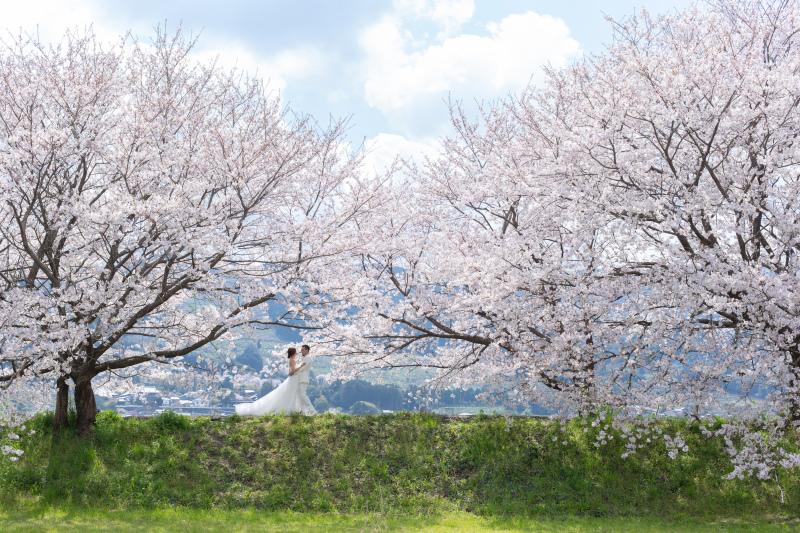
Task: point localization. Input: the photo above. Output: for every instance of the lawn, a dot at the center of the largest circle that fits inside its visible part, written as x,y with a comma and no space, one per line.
234,521
401,472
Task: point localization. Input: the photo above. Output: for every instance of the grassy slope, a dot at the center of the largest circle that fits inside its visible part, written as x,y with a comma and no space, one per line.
404,463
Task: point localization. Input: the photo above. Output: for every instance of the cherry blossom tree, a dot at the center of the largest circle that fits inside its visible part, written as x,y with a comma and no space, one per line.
150,204
623,237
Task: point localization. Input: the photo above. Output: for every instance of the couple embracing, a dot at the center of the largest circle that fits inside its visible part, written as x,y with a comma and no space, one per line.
290,396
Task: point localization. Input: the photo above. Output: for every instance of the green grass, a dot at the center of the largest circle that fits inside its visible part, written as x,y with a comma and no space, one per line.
402,468
232,521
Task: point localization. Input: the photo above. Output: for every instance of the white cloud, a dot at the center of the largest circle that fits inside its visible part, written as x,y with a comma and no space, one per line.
52,18
279,69
384,147
467,65
449,14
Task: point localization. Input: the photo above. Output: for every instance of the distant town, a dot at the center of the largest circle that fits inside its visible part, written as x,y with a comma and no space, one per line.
328,396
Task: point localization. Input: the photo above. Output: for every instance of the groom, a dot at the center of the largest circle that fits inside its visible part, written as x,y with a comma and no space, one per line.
303,403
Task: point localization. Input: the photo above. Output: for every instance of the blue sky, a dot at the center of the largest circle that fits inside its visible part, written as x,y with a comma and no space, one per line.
389,65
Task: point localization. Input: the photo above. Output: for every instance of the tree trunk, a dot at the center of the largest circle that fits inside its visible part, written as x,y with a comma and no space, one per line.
85,406
61,421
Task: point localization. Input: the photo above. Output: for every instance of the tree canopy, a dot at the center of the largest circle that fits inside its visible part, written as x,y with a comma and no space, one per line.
623,238
150,204
619,241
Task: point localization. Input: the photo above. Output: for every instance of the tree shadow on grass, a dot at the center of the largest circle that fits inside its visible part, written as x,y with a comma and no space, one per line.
69,466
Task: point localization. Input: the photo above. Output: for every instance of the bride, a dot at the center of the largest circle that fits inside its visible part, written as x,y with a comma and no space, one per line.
289,397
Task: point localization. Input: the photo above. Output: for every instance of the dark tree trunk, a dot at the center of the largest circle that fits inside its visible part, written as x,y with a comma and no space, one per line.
85,406
61,421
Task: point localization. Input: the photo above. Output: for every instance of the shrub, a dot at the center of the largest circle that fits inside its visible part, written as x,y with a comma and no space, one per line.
321,404
169,421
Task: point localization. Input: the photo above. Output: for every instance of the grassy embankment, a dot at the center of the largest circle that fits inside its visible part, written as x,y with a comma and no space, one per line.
394,465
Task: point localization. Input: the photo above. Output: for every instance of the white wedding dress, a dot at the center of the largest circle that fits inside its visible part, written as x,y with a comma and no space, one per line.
289,397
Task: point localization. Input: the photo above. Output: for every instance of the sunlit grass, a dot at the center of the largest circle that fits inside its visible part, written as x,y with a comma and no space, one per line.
389,466
233,521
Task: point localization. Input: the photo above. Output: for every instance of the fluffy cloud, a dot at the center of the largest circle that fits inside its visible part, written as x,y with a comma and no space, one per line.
384,147
398,76
448,14
51,18
279,69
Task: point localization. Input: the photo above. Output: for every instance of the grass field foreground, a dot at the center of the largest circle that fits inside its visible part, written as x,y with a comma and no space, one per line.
394,466
234,521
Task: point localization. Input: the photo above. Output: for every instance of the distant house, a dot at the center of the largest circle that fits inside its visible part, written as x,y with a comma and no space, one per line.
151,397
171,401
250,395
